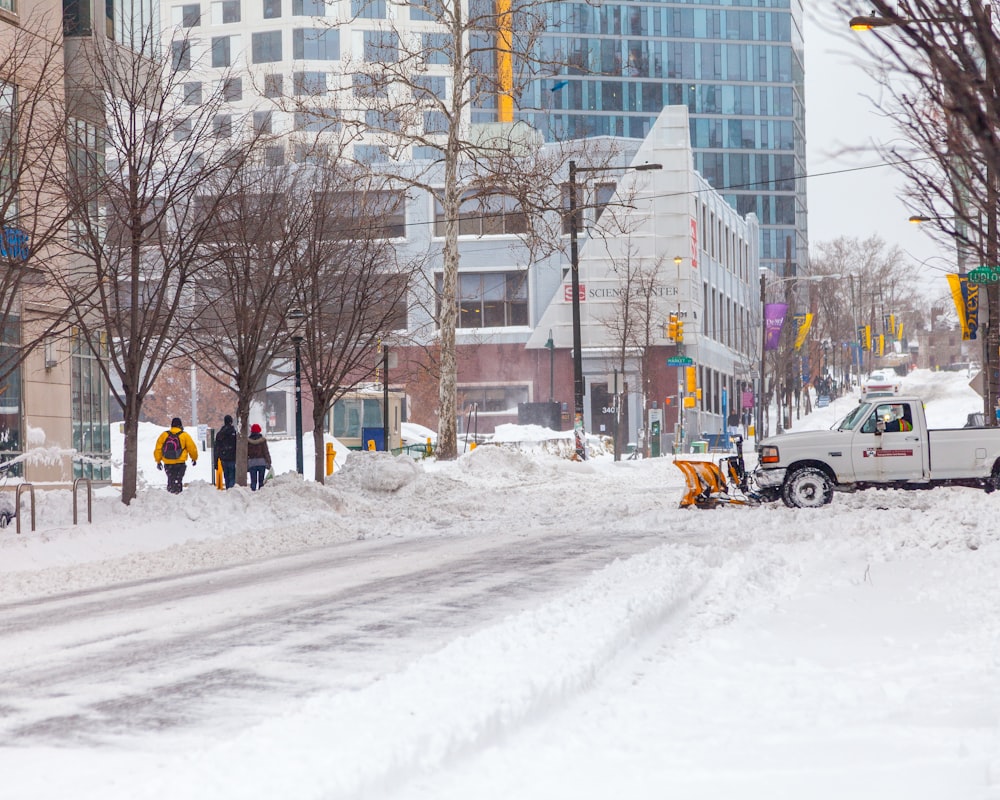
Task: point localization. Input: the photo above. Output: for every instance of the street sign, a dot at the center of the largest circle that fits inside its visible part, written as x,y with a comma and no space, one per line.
976,384
984,274
680,361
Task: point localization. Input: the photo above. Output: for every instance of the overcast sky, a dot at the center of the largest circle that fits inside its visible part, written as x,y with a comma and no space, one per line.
840,115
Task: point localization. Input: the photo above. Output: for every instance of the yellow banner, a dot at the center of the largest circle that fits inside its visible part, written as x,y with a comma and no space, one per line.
966,299
800,337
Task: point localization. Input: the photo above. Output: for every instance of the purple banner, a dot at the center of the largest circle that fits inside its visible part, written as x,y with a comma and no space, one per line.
774,319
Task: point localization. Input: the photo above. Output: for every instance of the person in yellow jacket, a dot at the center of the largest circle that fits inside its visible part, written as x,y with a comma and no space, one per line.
172,451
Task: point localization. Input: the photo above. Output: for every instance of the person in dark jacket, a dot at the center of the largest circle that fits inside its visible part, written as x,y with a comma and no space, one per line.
258,457
225,451
175,467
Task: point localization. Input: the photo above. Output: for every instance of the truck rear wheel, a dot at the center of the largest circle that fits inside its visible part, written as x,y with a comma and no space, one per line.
807,487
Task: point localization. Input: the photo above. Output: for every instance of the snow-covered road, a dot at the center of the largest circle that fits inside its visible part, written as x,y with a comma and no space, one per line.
507,626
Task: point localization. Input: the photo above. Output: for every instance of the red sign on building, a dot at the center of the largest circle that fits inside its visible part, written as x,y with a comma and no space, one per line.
568,292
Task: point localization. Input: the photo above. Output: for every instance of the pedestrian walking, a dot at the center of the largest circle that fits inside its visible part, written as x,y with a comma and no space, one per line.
258,457
173,449
224,450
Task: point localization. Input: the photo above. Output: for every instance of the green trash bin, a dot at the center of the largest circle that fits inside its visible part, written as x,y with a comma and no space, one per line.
699,447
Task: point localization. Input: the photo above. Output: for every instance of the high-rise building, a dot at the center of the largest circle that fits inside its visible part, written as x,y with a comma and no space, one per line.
735,69
736,64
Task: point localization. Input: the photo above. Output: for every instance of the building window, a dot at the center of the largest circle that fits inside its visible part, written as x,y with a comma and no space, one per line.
484,216
232,90
226,12
183,130
273,86
263,122
9,165
272,9
314,122
368,9
91,417
85,152
274,155
310,84
266,47
310,153
603,193
192,94
187,15
381,47
308,8
389,207
11,439
437,48
491,399
490,299
222,126
180,54
222,51
426,10
76,18
316,44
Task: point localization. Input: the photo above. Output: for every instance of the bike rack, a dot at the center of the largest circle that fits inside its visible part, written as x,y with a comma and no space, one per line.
17,504
90,497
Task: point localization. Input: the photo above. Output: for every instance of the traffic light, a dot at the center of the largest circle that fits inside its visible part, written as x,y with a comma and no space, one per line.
672,328
679,336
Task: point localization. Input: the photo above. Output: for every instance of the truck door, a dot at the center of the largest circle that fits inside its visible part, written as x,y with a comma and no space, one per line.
894,455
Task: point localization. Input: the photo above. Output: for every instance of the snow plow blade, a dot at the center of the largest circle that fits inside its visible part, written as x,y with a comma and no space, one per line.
706,485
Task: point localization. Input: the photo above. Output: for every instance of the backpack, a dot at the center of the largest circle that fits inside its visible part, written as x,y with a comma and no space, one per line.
172,447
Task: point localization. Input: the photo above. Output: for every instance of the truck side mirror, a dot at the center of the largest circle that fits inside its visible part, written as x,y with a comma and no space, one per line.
879,427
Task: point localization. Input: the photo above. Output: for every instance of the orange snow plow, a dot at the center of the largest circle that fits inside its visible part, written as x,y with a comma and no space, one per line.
710,485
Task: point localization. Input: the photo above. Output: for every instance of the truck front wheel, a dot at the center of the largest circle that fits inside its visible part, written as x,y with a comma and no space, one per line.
807,487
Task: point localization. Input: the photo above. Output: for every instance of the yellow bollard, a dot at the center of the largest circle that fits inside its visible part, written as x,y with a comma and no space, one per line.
219,482
429,448
371,445
331,454
472,447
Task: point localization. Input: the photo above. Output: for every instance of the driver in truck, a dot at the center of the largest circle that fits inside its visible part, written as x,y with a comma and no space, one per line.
897,419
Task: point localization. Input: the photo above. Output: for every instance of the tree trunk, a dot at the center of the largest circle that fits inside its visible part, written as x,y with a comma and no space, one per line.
130,465
447,442
243,420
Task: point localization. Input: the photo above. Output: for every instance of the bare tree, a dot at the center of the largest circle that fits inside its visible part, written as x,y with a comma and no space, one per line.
938,62
351,286
880,283
418,92
244,288
141,217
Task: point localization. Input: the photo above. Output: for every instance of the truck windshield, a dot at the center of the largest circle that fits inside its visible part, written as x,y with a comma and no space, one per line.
852,419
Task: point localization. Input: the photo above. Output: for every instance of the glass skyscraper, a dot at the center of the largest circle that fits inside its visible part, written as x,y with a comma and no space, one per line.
736,64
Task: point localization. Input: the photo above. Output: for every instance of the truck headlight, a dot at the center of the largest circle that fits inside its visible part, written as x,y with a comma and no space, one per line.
769,454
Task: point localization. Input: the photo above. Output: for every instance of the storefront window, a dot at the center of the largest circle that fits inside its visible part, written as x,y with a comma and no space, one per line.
91,414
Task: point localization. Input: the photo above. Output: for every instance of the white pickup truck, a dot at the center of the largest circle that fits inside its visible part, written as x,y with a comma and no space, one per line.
883,442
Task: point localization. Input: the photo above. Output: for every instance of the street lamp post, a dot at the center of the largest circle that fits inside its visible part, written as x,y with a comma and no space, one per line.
574,259
297,316
551,347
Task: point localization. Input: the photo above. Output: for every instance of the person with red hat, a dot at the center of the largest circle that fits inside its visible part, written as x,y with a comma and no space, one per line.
258,457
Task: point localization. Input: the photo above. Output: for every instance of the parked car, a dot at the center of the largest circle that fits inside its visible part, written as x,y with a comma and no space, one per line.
882,383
